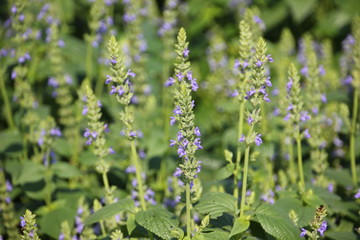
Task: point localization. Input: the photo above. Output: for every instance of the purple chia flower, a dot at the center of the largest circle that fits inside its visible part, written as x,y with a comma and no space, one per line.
172,120
258,140
259,63
250,120
237,63
85,110
194,85
197,131
347,80
181,151
186,52
323,98
357,195
111,150
21,17
55,132
321,70
169,82
179,136
242,138
8,185
130,73
306,133
269,58
180,76
13,74
87,133
99,104
250,93
172,142
130,169
197,143
132,133
304,71
189,76
113,61
266,98
13,9
22,222
53,83
304,116
262,90
289,85
177,110
108,79
177,172
330,187
61,43
303,232
129,17
322,228
268,82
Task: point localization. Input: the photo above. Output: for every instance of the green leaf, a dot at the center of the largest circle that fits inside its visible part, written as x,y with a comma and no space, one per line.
301,9
304,214
130,223
225,172
31,172
216,235
277,223
63,147
110,211
11,141
341,235
158,221
65,170
216,203
240,225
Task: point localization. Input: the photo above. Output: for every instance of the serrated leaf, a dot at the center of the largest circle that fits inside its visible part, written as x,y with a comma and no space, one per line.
130,223
65,170
301,9
63,147
304,214
110,211
216,203
277,223
240,225
225,172
341,235
158,221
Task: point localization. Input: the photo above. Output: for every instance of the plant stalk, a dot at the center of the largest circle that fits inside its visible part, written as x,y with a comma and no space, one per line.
238,151
353,138
243,192
7,107
138,175
300,165
188,213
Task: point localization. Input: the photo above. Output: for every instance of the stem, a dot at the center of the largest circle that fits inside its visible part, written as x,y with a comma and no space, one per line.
238,152
89,53
352,138
188,213
300,165
8,112
292,164
138,175
106,182
103,231
48,179
243,192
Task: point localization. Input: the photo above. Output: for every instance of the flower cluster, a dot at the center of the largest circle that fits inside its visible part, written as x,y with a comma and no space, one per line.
318,224
28,226
188,137
169,19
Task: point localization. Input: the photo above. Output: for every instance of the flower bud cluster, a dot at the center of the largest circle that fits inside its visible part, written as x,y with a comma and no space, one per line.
28,226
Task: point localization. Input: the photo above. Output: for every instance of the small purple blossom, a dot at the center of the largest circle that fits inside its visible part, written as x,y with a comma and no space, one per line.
322,228
250,93
242,138
85,110
357,195
180,76
268,82
186,52
108,79
197,143
197,131
258,140
304,116
172,120
111,150
177,110
177,172
22,221
13,74
130,73
250,120
172,142
321,70
306,133
323,98
55,132
130,169
169,82
181,151
259,63
8,185
269,58
303,232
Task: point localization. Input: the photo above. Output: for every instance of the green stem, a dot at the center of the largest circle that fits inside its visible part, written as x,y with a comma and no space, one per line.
188,213
243,192
352,138
48,178
138,175
102,226
238,152
106,182
292,164
7,106
300,165
89,53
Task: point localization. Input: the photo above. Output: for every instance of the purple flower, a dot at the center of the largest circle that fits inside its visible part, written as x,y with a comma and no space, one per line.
180,76
85,110
130,169
55,132
53,83
129,17
304,116
108,79
259,63
169,82
87,132
258,140
194,85
172,120
268,82
304,71
13,9
323,98
270,59
262,90
306,133
303,232
113,61
179,136
321,70
197,143
357,195
237,63
8,185
130,73
111,150
13,74
250,120
177,110
289,85
177,172
322,228
181,151
61,43
265,98
242,138
250,93
197,131
330,187
186,52
172,142
22,221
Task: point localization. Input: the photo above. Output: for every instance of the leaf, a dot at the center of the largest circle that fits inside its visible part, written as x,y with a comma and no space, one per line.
240,225
11,141
301,9
216,235
63,147
341,235
65,170
130,223
158,221
110,211
216,203
225,172
31,172
277,223
304,214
